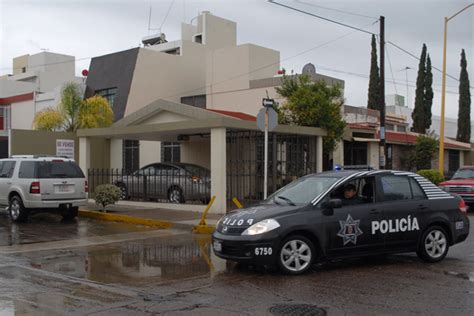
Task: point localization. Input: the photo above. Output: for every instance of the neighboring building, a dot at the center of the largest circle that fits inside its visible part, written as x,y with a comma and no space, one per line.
206,68
35,84
361,142
396,105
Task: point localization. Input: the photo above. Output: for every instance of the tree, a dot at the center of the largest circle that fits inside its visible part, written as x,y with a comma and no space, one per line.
418,115
374,100
428,96
48,119
312,104
425,148
464,114
95,112
74,113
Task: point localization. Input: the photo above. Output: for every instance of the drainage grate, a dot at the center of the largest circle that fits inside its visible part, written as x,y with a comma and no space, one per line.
297,309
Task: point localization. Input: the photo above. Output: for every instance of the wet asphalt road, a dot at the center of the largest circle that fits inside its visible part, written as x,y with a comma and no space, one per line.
91,267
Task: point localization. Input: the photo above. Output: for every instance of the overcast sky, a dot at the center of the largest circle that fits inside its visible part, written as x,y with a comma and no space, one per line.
90,28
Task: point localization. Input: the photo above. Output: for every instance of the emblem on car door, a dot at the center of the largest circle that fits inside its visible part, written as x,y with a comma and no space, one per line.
349,230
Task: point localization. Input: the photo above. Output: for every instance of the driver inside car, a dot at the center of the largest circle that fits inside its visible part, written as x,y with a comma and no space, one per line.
350,195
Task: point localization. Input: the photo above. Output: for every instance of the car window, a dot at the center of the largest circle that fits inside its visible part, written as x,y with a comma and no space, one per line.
27,170
7,169
58,169
364,188
418,193
395,188
149,171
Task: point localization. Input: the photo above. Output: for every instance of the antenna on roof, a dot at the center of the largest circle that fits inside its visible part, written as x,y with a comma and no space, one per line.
154,39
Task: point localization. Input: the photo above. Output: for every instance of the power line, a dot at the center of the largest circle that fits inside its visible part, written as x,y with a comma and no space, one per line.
391,70
418,58
263,67
167,14
322,18
336,10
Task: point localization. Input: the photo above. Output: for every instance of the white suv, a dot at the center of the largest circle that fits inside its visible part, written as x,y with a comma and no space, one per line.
40,183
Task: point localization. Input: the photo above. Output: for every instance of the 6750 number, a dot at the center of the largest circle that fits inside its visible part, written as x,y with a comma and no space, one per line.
263,251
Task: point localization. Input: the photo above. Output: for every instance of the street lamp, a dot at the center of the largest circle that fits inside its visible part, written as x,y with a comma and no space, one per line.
443,91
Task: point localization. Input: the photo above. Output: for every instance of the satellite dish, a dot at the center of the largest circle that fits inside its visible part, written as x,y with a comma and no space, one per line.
309,69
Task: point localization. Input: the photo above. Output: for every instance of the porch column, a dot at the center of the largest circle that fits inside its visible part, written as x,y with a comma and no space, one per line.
338,154
319,154
84,154
218,169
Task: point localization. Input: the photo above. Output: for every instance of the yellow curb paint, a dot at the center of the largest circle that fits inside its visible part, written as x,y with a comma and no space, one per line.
125,219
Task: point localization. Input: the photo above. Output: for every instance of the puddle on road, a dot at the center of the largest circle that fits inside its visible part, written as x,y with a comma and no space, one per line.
49,227
135,262
465,276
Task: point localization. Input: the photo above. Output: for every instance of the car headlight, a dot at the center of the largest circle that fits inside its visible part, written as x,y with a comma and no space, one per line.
261,227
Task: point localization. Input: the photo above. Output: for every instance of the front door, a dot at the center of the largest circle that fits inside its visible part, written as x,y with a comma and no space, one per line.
348,230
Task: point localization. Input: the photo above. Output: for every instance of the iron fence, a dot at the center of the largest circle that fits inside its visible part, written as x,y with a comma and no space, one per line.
289,157
165,185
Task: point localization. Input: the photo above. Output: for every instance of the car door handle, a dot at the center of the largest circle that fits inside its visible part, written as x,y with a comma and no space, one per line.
374,211
9,183
422,207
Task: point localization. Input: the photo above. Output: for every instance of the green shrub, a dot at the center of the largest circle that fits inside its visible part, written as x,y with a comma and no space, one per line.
432,175
107,194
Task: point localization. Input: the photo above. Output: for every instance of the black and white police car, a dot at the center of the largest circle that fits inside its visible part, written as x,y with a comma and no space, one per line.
315,218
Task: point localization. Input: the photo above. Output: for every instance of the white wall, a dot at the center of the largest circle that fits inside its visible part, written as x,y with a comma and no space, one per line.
150,152
22,115
197,152
116,153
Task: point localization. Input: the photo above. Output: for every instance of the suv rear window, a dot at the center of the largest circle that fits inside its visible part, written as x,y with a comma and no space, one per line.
49,170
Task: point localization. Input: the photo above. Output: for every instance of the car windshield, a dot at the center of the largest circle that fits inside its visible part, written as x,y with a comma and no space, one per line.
464,174
301,191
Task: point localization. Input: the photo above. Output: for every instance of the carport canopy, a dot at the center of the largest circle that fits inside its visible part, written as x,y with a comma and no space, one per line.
168,121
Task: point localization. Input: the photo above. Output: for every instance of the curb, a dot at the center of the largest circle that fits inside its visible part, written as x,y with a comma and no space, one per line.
128,219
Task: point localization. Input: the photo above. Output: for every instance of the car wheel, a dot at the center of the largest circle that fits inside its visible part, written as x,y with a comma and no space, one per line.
296,255
175,195
123,190
434,244
18,213
70,213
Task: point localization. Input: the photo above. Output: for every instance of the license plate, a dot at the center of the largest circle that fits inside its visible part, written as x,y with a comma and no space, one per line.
217,245
63,188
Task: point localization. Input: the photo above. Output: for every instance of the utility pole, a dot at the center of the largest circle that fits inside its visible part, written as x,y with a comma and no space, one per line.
382,148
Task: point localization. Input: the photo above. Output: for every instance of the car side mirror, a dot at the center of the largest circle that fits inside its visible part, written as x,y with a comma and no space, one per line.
329,206
335,203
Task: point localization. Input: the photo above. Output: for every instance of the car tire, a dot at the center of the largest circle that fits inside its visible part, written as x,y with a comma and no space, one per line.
18,212
175,195
296,255
70,213
434,244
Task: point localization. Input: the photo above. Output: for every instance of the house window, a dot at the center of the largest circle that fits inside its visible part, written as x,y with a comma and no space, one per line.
195,100
131,155
355,153
198,38
170,152
401,128
174,51
109,94
389,127
23,69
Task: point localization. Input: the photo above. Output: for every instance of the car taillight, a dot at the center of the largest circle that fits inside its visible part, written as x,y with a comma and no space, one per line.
462,206
86,187
35,188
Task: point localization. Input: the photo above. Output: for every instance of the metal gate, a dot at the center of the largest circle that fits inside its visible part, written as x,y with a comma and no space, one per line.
290,157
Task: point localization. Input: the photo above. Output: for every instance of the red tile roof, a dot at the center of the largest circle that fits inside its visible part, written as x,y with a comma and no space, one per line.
410,139
17,98
238,115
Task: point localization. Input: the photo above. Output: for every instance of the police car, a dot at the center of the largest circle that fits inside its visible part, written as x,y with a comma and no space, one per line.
344,214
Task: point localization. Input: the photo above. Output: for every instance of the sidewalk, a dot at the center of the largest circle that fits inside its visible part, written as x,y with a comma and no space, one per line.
148,215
